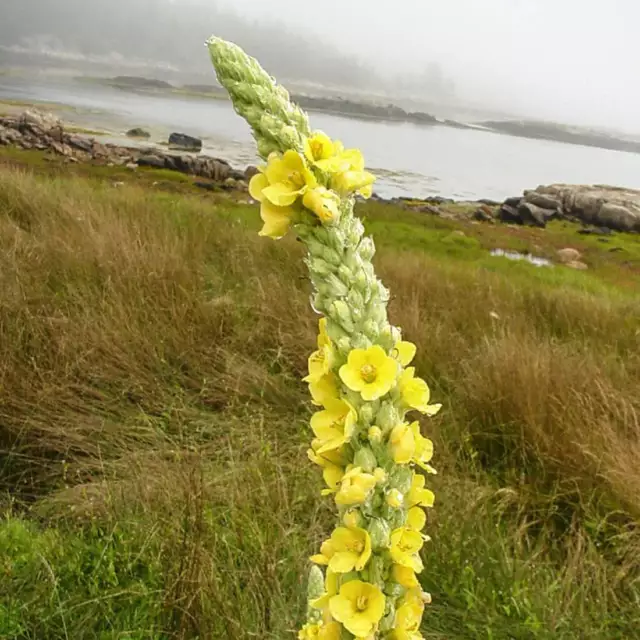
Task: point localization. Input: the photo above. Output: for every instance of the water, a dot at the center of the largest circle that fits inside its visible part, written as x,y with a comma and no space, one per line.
527,257
409,160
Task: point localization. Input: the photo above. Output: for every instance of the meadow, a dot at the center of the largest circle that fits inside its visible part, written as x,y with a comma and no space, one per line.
153,424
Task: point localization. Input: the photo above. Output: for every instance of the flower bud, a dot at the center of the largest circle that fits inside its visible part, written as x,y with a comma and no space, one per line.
340,313
352,519
366,249
395,499
375,435
387,416
366,459
315,585
380,534
401,479
380,475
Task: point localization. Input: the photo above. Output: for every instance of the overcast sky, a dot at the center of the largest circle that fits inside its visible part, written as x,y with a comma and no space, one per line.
575,60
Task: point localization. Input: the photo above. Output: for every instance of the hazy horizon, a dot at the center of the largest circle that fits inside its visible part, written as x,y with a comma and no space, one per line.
566,61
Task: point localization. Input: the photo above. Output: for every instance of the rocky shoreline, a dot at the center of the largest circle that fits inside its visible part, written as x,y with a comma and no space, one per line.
600,209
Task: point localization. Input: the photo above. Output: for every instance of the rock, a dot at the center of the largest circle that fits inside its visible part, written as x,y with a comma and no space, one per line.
32,119
137,132
78,142
251,171
530,214
568,254
513,202
489,203
508,213
483,214
185,142
595,231
9,136
427,208
131,165
543,200
231,184
207,186
576,264
151,161
599,205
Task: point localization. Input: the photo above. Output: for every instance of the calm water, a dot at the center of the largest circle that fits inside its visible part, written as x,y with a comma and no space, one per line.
408,159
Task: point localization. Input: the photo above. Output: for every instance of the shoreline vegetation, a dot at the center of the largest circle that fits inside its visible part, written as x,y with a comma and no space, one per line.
154,481
368,110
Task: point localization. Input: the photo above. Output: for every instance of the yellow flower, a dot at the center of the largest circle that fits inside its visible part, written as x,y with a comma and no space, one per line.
418,496
405,547
334,425
323,337
277,220
370,371
407,623
350,549
331,589
415,393
404,352
331,463
416,519
320,631
355,487
359,606
285,179
319,148
402,443
320,363
326,553
353,182
423,449
405,576
324,203
324,389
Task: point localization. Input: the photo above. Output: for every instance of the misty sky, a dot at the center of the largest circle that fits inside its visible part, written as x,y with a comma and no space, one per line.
575,60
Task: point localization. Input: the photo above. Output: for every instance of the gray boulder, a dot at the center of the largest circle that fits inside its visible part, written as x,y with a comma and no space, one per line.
137,132
599,205
184,142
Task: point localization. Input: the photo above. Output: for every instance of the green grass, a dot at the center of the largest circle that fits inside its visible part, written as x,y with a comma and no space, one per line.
153,425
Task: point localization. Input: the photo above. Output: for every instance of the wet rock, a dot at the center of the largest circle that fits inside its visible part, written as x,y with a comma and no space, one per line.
185,142
137,132
151,161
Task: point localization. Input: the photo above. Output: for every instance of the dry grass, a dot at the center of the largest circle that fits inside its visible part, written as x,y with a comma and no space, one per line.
151,413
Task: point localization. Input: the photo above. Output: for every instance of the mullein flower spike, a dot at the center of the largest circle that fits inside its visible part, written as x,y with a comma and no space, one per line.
359,377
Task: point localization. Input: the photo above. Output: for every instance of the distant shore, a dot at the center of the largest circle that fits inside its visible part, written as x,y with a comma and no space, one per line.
531,129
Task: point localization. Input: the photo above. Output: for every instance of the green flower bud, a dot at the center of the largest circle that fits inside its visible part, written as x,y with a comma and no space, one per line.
400,479
315,584
387,416
366,249
380,534
339,312
366,459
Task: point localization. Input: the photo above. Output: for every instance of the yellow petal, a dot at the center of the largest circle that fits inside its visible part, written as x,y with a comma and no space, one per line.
405,352
277,220
282,194
257,184
343,561
416,518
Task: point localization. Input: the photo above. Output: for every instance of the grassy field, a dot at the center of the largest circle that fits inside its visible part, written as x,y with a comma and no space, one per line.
153,425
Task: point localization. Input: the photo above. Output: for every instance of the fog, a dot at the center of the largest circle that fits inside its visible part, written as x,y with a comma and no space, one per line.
567,60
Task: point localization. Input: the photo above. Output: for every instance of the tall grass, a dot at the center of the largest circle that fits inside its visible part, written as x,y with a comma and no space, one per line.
152,427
